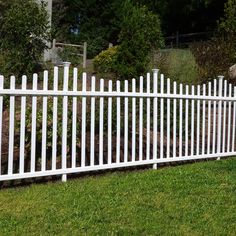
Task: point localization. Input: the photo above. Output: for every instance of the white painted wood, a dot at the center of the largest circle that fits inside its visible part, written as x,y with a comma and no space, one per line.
101,117
133,121
118,114
198,120
141,119
148,119
54,125
83,133
168,121
186,121
224,117
229,119
11,127
126,120
203,120
109,124
92,125
180,121
174,120
74,119
209,121
44,123
192,123
33,124
22,127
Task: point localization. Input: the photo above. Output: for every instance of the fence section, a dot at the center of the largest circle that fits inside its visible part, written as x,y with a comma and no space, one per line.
68,125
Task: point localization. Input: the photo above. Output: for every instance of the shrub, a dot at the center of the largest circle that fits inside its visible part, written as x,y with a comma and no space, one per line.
104,61
140,34
24,33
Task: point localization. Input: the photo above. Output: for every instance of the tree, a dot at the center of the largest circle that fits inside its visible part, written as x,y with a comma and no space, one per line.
24,33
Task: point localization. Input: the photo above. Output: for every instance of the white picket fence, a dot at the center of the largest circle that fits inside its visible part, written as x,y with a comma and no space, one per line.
149,122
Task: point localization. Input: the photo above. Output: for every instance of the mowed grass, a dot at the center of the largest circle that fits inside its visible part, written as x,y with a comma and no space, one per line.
193,199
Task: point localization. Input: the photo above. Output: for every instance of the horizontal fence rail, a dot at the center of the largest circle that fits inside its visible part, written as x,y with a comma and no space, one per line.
62,124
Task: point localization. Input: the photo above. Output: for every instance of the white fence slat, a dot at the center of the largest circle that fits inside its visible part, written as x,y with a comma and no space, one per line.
155,78
219,115
74,119
44,123
209,121
174,119
180,120
229,119
133,121
148,119
162,120
33,124
11,127
22,127
92,127
203,120
109,124
186,121
141,119
214,120
83,132
118,123
126,120
224,117
168,121
234,117
65,120
101,110
198,120
54,125
1,113
192,123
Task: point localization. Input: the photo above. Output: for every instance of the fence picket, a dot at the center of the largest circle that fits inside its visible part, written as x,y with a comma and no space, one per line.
101,124
44,123
186,121
203,120
192,123
33,124
109,124
219,115
224,116
11,127
209,121
118,123
74,119
83,132
180,120
22,127
168,121
133,121
155,118
174,120
92,128
126,120
214,120
162,120
198,121
234,117
141,119
229,119
148,119
54,125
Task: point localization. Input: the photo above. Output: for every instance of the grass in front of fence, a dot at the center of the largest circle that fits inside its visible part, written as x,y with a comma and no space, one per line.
194,199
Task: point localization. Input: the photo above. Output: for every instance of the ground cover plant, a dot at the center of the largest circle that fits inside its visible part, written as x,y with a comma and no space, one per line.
194,199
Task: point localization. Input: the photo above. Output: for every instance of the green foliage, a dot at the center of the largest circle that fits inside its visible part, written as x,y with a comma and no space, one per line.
24,32
140,34
70,54
104,61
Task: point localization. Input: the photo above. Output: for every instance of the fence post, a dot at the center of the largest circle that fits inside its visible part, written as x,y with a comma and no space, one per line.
84,55
219,116
64,119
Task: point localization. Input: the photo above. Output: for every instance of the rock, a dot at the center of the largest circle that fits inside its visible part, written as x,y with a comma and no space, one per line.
232,72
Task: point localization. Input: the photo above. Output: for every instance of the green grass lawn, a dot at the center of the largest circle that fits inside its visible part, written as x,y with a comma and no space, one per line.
194,199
